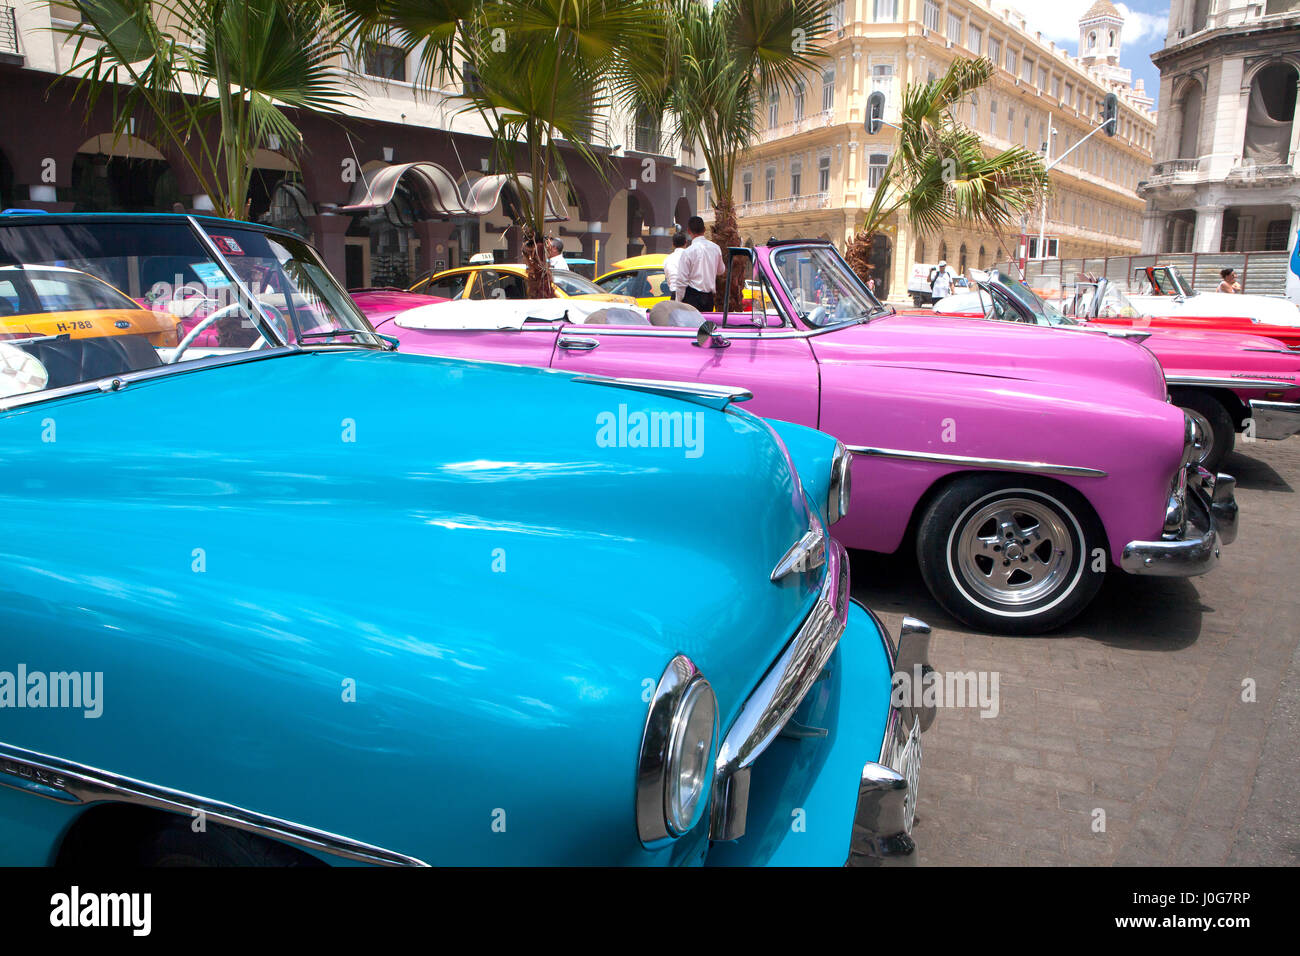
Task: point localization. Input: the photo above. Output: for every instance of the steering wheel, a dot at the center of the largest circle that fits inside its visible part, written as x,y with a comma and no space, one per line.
817,314
275,315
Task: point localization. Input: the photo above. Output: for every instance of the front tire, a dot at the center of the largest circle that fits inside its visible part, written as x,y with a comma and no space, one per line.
1011,555
1215,420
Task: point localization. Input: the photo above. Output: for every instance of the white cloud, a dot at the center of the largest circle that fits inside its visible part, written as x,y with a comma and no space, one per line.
1059,21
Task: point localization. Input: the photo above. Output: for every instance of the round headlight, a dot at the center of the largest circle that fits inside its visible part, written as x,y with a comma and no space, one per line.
841,484
690,757
678,749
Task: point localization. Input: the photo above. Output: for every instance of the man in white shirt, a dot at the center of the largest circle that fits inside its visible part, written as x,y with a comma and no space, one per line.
942,285
558,262
700,266
673,267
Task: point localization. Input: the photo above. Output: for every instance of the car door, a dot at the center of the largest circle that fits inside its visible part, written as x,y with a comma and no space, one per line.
448,285
498,284
776,364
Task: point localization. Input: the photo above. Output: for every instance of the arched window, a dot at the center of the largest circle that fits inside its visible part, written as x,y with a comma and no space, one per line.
1112,38
961,260
920,250
1092,40
943,251
980,262
1270,114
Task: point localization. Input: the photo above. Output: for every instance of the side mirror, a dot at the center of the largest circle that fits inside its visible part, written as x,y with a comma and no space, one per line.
708,337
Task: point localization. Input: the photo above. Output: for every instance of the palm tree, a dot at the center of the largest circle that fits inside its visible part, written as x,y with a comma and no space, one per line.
724,62
191,67
940,173
538,72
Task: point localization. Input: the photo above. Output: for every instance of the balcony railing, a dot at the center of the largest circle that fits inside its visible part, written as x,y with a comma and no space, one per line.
794,127
9,32
774,207
1173,167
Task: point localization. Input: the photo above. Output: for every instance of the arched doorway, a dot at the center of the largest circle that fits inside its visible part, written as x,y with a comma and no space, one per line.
122,175
1270,114
6,183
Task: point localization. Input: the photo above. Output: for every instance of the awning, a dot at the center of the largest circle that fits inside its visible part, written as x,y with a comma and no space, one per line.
437,187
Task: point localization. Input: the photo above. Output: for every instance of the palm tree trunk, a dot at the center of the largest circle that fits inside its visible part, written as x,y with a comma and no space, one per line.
726,233
859,254
540,283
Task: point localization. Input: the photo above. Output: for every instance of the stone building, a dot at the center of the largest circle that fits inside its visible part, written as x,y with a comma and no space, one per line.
1225,177
814,170
55,157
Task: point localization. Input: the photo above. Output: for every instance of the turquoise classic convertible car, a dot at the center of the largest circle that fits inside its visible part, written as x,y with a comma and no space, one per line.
315,601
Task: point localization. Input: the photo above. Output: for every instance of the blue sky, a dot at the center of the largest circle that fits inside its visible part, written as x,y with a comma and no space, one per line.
1145,24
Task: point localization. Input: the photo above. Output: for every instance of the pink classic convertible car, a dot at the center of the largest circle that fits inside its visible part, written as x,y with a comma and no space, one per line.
1228,383
1023,463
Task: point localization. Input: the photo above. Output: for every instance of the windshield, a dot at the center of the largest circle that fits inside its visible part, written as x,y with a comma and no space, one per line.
1114,303
571,283
825,291
83,300
1042,312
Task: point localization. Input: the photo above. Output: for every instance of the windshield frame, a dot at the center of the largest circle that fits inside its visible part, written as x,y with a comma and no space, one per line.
1018,292
786,297
276,345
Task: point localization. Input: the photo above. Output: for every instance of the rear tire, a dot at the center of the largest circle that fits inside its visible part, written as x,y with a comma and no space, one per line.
1009,554
174,843
1213,417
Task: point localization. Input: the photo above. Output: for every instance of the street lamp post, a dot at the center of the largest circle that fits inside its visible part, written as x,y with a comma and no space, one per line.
1107,124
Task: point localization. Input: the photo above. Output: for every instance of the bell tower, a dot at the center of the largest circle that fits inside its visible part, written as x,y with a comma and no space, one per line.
1099,34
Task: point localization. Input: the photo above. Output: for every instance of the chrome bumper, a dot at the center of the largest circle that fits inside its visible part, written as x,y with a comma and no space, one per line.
882,823
1275,420
1211,520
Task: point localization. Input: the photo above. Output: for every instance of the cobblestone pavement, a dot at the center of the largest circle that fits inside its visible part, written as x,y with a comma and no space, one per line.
1134,709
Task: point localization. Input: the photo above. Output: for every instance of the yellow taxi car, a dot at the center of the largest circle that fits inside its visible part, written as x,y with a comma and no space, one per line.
643,278
508,281
56,300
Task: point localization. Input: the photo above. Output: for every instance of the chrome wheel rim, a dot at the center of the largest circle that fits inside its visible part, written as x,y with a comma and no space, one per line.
1201,450
1015,551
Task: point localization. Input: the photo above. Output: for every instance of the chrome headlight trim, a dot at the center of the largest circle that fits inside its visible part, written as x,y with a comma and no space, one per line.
840,487
658,818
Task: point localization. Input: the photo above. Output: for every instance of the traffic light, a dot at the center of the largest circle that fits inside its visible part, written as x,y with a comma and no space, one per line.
1110,113
875,112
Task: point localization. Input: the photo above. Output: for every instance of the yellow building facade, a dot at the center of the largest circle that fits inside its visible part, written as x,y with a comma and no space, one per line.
814,169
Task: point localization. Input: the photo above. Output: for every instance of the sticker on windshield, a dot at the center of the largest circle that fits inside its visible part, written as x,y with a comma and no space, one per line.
227,245
210,274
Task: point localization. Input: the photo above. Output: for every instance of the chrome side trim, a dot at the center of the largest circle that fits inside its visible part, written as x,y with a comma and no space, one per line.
702,393
66,781
1217,381
1001,464
777,697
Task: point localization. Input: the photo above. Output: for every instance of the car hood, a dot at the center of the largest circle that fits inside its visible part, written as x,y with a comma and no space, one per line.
382,594
471,521
994,350
1268,310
